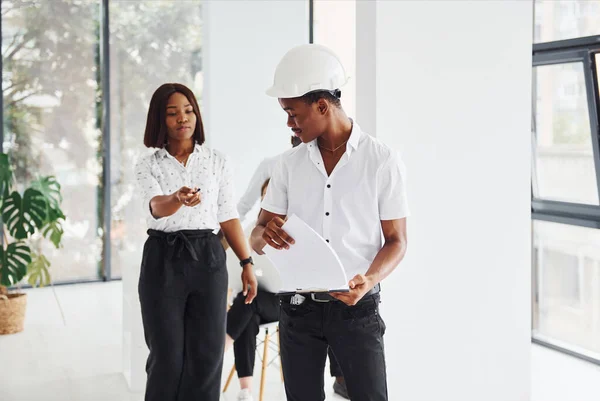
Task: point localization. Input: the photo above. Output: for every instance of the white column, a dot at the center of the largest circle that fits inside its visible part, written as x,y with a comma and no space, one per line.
335,27
366,63
244,41
453,95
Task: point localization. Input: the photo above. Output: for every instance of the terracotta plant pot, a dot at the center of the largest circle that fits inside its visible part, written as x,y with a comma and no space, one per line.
12,313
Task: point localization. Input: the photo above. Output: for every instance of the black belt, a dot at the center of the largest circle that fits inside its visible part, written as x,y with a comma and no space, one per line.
178,241
326,297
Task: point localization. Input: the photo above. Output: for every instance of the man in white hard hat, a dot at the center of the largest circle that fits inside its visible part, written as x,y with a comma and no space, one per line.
350,188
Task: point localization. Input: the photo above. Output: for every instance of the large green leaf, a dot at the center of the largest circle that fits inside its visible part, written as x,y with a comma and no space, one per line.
50,188
6,175
14,261
23,215
53,228
55,214
38,271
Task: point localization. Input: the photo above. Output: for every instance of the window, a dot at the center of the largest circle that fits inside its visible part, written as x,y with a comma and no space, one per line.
563,155
50,81
142,59
566,177
53,111
565,19
567,288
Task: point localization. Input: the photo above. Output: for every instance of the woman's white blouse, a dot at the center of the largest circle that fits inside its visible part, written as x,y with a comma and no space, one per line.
162,174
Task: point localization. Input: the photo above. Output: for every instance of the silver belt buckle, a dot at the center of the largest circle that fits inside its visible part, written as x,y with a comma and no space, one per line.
312,296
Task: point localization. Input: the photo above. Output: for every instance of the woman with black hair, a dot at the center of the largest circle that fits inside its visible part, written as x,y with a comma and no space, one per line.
187,192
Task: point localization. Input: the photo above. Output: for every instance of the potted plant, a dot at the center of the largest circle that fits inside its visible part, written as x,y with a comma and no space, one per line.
28,218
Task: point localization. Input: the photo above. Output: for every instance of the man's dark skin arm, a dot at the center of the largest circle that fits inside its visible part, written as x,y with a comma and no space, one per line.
387,259
268,231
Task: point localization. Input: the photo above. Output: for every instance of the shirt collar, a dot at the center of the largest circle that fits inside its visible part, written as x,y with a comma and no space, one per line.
162,152
355,136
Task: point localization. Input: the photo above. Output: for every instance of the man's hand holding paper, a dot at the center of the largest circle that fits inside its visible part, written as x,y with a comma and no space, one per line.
276,236
305,261
359,286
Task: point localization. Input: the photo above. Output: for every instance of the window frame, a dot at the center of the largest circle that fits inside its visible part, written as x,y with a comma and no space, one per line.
104,197
561,52
582,50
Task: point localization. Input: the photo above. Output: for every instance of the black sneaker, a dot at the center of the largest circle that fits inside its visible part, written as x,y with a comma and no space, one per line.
340,389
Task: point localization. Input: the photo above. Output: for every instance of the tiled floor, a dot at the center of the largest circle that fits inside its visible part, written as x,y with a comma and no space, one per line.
81,360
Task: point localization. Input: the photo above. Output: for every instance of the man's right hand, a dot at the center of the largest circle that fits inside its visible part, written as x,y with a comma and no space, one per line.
275,236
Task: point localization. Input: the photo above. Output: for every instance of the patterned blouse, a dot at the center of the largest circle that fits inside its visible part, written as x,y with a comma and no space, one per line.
162,174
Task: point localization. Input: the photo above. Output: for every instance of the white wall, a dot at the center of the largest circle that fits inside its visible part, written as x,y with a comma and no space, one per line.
453,94
244,41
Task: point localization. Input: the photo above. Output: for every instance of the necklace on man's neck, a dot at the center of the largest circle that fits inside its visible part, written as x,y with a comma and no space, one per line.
332,150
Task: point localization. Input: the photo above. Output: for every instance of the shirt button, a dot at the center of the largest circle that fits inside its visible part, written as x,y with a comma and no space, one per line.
326,213
328,186
327,240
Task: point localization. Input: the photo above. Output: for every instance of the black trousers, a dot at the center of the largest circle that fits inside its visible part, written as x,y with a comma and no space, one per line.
353,333
183,294
334,367
243,323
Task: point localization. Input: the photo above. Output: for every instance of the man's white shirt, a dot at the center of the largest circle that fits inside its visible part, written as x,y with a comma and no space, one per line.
346,208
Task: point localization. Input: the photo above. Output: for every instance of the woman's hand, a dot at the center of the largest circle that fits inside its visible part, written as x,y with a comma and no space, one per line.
249,283
232,230
187,196
168,205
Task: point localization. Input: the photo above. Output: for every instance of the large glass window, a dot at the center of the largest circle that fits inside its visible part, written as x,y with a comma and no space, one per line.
566,176
563,154
53,110
567,290
151,42
50,82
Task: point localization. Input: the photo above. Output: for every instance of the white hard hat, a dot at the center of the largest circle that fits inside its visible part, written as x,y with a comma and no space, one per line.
307,68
